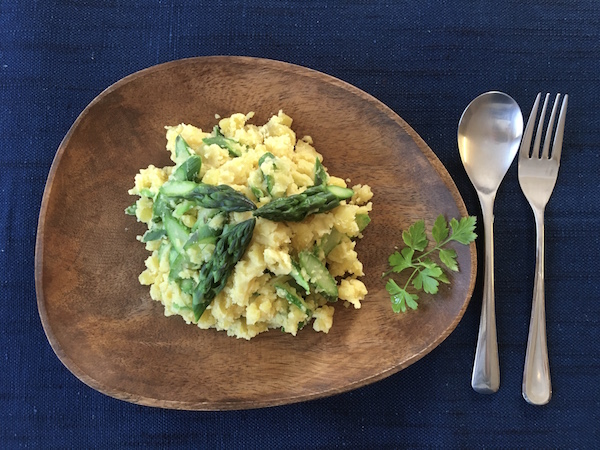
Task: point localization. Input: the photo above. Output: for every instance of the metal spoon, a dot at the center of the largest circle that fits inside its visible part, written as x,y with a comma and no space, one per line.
489,134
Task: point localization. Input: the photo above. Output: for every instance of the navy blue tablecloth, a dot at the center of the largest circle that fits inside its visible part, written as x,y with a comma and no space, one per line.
426,60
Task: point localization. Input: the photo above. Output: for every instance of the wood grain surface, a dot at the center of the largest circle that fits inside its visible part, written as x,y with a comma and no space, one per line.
108,332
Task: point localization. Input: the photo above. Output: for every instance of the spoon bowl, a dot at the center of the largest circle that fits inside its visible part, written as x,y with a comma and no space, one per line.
489,135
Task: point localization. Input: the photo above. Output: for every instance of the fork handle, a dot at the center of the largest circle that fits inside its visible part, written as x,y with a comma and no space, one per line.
537,388
486,368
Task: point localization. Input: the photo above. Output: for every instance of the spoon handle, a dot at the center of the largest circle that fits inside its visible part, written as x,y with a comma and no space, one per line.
486,368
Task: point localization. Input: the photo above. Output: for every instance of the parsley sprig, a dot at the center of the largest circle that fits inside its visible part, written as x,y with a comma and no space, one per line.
426,273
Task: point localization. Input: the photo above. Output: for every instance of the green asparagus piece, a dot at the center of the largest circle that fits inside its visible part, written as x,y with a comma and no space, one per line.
187,285
296,274
160,207
321,176
331,241
146,193
202,236
228,144
130,210
269,179
182,149
204,216
318,274
202,232
257,192
362,220
264,157
340,192
295,208
153,235
165,246
177,232
222,197
188,170
284,291
177,262
182,208
230,248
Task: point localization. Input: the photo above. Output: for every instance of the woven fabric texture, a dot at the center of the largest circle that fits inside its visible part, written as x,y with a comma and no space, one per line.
424,59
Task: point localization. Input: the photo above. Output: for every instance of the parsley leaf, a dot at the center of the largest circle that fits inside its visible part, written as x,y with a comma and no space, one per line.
440,229
400,297
426,273
463,231
448,257
415,236
400,261
427,279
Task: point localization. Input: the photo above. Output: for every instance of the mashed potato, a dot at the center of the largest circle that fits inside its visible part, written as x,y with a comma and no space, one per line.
250,304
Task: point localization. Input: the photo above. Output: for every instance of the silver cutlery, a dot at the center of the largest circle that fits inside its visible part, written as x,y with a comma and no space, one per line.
537,177
489,133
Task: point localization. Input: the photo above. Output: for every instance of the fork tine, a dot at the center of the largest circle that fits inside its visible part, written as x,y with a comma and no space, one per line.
560,128
546,149
538,133
525,149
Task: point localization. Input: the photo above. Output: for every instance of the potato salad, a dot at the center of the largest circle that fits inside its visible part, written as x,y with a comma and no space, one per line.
248,231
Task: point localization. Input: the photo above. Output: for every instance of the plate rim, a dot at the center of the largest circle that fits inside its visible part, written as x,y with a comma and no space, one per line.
432,158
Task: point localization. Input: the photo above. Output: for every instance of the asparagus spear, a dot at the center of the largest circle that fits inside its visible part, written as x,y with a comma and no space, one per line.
315,199
230,248
221,197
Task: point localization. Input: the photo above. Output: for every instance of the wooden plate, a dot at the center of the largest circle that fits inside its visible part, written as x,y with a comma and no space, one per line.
105,328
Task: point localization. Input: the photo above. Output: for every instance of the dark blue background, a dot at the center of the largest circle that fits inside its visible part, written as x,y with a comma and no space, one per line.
424,59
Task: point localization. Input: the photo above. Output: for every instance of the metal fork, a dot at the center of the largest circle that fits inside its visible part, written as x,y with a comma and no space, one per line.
537,177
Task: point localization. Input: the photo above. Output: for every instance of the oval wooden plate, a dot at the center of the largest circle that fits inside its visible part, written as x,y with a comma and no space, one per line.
102,323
